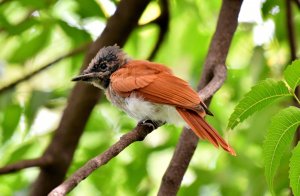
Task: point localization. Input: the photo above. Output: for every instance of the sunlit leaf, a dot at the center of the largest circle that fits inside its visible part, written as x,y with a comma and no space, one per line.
12,115
261,95
75,34
37,100
35,4
295,170
29,48
20,152
278,139
19,28
292,74
89,9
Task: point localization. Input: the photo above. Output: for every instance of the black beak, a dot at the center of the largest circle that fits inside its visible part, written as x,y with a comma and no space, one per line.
84,77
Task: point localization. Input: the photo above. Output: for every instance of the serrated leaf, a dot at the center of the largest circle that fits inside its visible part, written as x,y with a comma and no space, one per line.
278,140
295,170
259,97
292,74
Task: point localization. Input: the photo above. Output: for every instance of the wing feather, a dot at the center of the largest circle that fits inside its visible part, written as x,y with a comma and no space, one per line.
154,82
203,130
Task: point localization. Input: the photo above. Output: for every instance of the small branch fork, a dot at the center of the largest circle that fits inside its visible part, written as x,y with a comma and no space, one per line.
38,162
163,22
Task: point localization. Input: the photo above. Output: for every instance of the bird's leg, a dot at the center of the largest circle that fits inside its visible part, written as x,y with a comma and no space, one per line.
151,123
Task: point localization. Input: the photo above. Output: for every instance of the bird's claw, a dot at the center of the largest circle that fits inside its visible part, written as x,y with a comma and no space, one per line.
151,123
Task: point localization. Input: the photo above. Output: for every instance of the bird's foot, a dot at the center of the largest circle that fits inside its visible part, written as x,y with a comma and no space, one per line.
151,123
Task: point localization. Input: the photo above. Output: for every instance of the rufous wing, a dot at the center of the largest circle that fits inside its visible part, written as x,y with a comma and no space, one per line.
154,82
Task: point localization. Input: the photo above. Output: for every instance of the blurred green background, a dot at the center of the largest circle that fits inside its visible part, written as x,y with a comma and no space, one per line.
33,33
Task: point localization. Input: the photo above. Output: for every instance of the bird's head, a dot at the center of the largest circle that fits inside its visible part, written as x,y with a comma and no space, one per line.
107,61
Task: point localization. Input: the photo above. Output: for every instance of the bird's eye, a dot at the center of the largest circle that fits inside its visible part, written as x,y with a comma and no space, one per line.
100,67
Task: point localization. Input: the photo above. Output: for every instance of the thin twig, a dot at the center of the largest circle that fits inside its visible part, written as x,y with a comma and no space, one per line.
213,77
39,70
137,134
163,22
38,162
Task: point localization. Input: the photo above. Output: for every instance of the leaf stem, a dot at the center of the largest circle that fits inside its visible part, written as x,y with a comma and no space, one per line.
296,98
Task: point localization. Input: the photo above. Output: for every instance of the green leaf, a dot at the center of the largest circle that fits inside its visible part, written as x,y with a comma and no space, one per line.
292,74
89,9
37,100
295,170
278,140
20,152
29,48
76,35
12,115
21,27
259,97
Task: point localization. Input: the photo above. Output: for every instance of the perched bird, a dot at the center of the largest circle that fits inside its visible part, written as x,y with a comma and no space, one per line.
149,92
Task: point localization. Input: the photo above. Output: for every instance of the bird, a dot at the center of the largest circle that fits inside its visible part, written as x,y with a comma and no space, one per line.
150,93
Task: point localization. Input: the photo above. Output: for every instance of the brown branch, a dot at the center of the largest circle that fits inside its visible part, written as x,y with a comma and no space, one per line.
219,76
38,162
137,134
290,29
163,23
213,76
293,50
39,70
83,98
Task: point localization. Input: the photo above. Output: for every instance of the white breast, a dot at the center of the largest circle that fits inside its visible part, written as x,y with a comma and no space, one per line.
138,108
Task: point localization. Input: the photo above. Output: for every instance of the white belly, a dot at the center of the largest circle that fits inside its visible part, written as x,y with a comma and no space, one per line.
140,109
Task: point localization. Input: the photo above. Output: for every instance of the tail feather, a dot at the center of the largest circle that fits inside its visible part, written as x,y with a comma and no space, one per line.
203,130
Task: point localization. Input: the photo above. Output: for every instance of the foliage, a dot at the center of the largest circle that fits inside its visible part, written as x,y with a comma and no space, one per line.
33,33
283,125
295,170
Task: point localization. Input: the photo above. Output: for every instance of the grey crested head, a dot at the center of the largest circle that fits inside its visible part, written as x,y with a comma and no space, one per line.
106,62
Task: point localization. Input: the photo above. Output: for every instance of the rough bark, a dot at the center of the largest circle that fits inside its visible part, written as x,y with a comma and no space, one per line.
83,98
226,26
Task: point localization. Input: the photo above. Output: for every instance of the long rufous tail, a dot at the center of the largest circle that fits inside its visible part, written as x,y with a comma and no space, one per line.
203,130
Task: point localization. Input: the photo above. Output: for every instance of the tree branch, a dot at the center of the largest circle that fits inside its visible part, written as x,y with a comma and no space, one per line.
83,98
290,29
30,75
137,134
38,162
213,76
163,22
